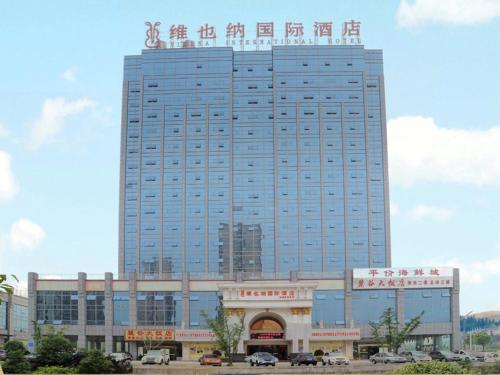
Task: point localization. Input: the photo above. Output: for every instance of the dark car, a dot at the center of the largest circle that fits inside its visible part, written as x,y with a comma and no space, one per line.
304,359
444,356
121,363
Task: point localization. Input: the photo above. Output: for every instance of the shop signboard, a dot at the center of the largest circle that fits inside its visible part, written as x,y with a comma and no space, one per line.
336,334
194,335
266,335
253,294
402,277
149,334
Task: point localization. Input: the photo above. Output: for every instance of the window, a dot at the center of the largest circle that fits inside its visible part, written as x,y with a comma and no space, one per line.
95,308
159,308
121,308
3,315
57,307
20,318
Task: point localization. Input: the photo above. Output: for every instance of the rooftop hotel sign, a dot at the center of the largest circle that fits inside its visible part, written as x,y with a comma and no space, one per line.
395,278
262,35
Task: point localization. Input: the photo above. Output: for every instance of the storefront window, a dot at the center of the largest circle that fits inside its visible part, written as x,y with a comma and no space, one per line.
443,342
57,307
121,308
95,342
120,345
427,343
95,308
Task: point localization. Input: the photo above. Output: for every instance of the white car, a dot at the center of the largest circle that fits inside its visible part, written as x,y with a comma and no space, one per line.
156,357
464,355
334,358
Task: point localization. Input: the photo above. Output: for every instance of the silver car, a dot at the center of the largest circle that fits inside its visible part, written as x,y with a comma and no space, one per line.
387,358
416,356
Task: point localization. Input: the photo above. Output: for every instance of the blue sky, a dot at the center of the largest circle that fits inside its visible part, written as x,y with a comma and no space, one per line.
61,79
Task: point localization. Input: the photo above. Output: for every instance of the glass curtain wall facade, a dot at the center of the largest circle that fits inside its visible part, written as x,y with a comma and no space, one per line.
261,162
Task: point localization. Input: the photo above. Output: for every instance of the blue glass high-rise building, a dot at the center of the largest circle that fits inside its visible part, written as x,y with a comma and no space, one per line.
256,180
261,162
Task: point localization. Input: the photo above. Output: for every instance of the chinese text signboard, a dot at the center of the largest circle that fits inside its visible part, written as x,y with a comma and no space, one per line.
394,278
259,35
267,294
336,334
194,335
266,335
149,334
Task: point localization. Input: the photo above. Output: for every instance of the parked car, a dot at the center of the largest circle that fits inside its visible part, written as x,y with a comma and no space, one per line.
210,360
491,357
444,356
334,358
156,357
262,359
304,359
3,354
465,355
387,358
122,363
416,356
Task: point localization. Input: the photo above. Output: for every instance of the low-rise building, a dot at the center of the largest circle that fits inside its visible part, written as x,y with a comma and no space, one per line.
284,316
13,318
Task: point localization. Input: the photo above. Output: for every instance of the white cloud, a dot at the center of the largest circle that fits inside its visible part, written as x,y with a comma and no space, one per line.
25,235
419,150
422,212
4,132
394,209
457,12
55,112
69,74
8,187
476,272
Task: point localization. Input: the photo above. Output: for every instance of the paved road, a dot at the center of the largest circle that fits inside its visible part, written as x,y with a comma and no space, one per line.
193,368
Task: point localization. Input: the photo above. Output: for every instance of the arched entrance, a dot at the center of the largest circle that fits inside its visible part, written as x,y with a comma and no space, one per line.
267,334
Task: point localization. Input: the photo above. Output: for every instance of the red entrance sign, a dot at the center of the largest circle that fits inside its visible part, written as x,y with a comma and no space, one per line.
266,335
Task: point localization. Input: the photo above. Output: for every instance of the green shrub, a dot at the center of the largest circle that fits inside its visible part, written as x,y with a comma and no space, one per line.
55,370
495,368
14,345
490,369
95,363
54,350
15,363
433,367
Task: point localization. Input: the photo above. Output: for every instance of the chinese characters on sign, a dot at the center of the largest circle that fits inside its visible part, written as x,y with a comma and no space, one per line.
252,294
149,334
194,335
392,278
266,335
294,33
336,334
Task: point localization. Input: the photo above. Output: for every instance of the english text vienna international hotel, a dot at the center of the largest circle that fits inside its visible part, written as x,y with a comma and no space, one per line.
257,180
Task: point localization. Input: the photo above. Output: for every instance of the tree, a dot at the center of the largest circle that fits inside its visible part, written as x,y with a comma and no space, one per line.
95,363
54,349
481,338
227,334
386,331
15,362
6,287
